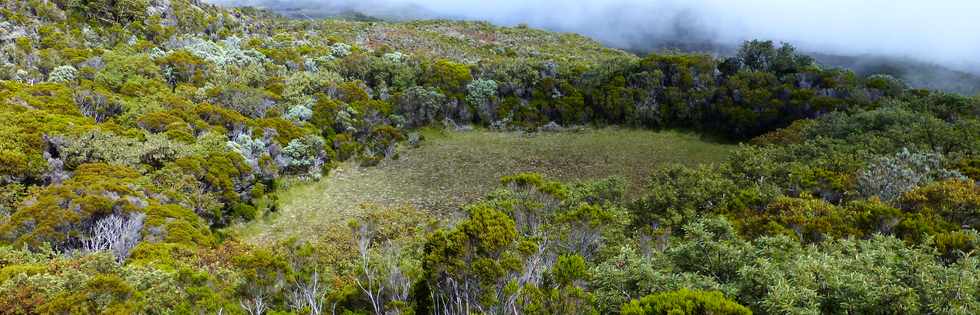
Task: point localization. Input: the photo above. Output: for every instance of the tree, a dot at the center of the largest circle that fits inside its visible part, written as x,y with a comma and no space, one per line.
470,268
534,202
563,289
757,55
764,56
264,275
379,272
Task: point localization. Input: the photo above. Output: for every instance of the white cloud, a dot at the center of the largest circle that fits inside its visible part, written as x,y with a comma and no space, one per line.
942,31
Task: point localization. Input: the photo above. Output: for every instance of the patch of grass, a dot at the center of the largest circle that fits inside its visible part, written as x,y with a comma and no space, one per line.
450,169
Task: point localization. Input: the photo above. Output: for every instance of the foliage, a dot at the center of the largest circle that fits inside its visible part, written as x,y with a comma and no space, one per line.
480,94
135,130
889,177
684,302
65,73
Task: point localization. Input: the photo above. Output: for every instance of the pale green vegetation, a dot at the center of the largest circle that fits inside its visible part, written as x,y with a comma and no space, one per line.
468,41
451,169
172,157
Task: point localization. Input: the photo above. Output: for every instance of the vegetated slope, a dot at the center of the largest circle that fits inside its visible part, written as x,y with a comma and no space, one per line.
134,131
451,169
915,73
469,42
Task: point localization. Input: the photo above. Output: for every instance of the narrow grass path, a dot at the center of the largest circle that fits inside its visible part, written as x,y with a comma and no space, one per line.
450,169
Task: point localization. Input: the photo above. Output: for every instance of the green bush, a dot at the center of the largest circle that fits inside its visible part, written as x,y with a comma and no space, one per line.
684,302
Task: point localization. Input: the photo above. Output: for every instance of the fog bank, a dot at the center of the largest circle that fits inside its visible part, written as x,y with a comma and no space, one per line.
946,32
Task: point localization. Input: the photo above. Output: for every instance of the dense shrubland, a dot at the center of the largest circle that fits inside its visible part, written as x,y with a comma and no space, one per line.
134,130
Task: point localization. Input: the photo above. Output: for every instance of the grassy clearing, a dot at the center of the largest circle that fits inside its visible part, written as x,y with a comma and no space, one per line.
450,169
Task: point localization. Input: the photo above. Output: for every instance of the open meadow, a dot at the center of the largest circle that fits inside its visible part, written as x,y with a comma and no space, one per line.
450,169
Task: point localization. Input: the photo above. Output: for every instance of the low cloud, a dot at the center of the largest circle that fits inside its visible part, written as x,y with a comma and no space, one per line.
946,32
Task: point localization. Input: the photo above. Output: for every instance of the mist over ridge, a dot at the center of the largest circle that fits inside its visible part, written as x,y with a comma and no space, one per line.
936,36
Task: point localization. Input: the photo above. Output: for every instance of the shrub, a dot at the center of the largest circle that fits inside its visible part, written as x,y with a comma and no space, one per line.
710,247
958,201
956,244
481,94
172,223
243,99
62,74
223,173
115,234
340,50
420,106
869,276
96,147
280,130
227,53
684,302
449,76
677,193
61,215
299,113
303,156
810,219
157,122
183,67
889,177
253,150
608,191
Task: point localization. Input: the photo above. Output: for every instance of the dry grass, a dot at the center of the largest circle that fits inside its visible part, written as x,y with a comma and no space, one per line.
454,168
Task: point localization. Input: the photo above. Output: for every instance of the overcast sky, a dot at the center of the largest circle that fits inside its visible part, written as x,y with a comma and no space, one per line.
941,31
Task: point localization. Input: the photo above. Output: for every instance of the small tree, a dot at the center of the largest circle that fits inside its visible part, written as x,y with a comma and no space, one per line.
471,267
482,95
380,277
369,276
116,234
312,276
263,276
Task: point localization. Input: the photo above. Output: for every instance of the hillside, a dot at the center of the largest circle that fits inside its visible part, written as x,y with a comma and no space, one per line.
687,32
169,156
471,42
916,74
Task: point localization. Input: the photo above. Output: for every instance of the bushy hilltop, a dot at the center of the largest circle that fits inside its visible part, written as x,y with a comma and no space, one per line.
471,42
134,130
